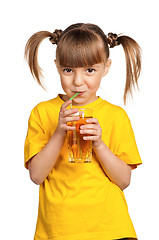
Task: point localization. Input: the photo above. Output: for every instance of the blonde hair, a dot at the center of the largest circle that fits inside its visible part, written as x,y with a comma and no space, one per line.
82,45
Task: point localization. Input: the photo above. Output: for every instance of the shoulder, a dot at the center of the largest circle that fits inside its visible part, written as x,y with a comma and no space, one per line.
114,111
49,104
46,108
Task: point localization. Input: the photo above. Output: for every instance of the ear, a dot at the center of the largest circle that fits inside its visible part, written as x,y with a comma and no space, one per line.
56,65
107,67
55,62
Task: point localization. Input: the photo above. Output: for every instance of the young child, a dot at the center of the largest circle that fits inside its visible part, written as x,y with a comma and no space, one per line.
82,201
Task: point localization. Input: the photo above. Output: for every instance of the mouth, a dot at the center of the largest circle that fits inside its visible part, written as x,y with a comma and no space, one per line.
80,93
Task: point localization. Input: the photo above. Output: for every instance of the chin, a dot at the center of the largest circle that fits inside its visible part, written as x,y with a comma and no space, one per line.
80,103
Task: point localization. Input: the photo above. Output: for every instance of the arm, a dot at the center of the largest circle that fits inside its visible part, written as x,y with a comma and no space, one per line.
42,163
115,168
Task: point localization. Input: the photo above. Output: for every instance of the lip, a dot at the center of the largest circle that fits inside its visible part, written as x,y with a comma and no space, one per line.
80,93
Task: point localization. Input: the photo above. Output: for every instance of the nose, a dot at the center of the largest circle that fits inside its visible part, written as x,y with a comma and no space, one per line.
78,79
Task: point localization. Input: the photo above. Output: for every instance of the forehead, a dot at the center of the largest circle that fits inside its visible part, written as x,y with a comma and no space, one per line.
80,50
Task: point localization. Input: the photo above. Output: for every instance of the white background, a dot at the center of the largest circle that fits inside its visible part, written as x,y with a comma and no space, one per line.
19,93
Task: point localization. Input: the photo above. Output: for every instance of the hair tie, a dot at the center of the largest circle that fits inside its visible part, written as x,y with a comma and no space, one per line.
113,40
55,36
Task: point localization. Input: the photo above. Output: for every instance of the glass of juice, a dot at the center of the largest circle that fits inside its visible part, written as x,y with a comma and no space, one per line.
79,150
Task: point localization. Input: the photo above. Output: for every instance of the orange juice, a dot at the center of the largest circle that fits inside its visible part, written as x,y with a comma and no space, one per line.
79,150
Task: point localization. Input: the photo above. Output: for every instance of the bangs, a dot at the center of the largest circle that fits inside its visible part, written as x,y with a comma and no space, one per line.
80,48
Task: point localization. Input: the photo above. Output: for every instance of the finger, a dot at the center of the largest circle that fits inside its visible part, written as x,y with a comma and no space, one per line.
68,112
65,105
92,138
90,132
89,126
92,120
70,119
70,128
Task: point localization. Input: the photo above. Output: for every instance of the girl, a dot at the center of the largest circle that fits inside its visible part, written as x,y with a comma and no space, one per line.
82,201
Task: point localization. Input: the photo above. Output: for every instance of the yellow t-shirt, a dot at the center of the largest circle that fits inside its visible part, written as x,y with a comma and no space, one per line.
77,201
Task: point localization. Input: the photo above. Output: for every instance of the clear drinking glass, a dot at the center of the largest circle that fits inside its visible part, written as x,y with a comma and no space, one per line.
79,150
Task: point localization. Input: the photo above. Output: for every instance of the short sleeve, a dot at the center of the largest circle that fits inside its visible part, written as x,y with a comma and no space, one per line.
127,148
36,138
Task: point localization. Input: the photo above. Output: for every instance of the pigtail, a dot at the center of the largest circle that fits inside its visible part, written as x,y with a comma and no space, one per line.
133,60
31,53
133,63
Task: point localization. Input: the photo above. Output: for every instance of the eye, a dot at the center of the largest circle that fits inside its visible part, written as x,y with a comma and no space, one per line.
90,70
67,70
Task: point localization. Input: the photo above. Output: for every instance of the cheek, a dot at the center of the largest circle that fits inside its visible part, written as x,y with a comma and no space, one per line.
65,82
94,83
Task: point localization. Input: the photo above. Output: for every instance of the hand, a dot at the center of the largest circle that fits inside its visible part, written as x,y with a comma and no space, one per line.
65,116
94,129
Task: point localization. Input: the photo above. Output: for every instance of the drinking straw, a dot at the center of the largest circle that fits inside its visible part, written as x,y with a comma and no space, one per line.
73,98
